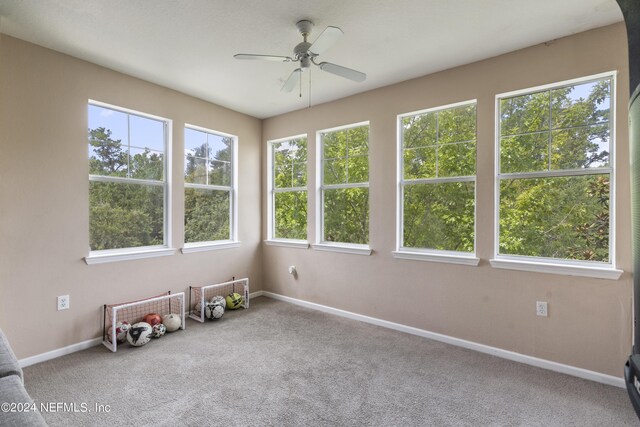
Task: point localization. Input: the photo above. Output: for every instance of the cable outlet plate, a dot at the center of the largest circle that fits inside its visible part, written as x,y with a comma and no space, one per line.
542,308
63,302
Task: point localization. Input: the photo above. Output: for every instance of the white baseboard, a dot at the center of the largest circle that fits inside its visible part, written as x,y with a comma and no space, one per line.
43,357
494,351
255,295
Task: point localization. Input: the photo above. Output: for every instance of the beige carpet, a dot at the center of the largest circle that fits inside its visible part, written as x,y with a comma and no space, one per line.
277,364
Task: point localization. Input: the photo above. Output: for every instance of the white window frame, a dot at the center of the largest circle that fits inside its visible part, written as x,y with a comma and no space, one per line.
321,244
271,194
124,254
428,254
233,241
551,265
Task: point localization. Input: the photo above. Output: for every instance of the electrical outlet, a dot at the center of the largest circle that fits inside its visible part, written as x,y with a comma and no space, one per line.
542,309
63,302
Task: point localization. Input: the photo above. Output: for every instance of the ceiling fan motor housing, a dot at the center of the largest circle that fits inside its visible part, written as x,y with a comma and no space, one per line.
301,53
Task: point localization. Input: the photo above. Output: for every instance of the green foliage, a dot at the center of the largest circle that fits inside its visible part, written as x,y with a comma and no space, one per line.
206,215
290,175
290,215
346,215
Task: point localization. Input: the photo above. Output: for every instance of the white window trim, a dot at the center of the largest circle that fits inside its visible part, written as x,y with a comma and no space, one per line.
115,255
233,193
271,240
425,254
552,265
321,244
124,254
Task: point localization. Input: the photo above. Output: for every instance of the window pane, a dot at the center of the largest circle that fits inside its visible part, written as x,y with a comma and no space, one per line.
290,210
220,147
439,216
583,104
457,160
283,177
299,175
334,144
115,122
107,156
219,173
524,153
358,141
146,164
419,131
420,163
457,124
125,215
195,143
206,215
561,217
580,147
195,171
335,171
358,169
146,133
346,215
524,114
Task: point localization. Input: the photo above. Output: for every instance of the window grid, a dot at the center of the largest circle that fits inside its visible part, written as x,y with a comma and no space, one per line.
405,183
550,173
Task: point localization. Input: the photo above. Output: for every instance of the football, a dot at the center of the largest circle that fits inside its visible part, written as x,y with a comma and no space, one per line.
152,319
234,301
172,322
213,311
121,332
158,330
219,300
139,334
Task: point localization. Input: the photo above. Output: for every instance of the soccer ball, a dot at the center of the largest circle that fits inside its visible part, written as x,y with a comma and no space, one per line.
213,311
172,322
139,334
219,300
121,332
234,301
152,319
197,309
158,330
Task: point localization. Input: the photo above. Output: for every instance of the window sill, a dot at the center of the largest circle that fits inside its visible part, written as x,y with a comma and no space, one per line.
343,248
300,244
449,258
101,257
208,246
566,269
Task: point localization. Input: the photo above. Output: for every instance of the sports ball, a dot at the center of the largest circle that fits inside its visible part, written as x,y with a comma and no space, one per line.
219,300
234,301
139,334
172,322
213,311
121,332
158,330
197,309
152,319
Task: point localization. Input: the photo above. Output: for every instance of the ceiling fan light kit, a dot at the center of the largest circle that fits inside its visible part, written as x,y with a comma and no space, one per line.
305,54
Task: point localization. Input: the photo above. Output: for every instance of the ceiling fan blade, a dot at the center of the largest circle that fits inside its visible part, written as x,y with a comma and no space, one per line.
263,57
341,71
292,81
325,40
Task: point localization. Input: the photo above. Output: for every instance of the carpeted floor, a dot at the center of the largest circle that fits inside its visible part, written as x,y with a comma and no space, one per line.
278,364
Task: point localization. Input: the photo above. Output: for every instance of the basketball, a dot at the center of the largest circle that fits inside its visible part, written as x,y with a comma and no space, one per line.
219,300
139,334
172,322
158,330
213,311
152,319
121,332
234,301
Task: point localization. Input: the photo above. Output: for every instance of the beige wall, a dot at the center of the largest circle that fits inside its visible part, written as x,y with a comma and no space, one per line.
589,325
44,198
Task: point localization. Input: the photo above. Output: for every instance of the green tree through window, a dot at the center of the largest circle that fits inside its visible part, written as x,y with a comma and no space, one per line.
555,169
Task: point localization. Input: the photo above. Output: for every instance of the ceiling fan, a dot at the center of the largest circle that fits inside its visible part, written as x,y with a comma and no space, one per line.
306,54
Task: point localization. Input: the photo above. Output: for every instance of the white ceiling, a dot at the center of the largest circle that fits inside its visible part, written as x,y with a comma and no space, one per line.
188,45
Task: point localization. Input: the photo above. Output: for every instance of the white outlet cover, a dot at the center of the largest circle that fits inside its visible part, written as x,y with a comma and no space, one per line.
63,302
542,308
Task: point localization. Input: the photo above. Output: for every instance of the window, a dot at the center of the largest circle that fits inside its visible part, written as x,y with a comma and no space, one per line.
555,173
209,194
288,188
127,179
437,168
344,185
